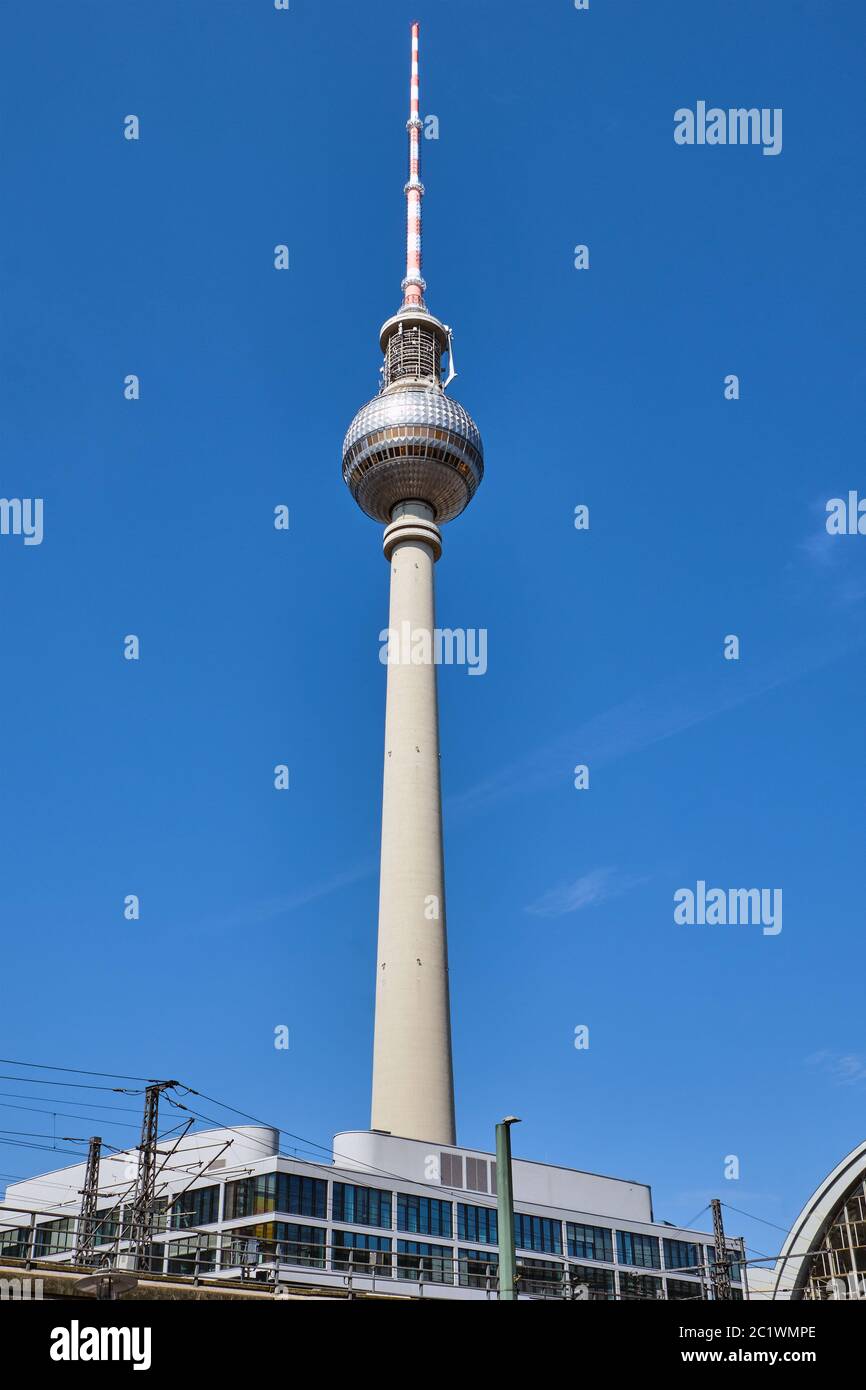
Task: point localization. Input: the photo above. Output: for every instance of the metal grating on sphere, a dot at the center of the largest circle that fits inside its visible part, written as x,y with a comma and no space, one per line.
414,443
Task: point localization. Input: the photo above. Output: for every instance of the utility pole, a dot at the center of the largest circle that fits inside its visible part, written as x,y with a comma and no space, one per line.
85,1239
141,1219
721,1272
505,1209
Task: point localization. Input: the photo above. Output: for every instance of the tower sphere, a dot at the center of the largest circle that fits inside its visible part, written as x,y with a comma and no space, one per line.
413,441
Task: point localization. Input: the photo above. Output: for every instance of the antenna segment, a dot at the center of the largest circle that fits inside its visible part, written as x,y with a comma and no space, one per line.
414,286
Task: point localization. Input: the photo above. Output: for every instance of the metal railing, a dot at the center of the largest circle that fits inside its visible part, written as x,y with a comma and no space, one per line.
241,1256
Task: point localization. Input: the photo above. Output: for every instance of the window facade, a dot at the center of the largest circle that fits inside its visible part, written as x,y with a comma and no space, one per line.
589,1242
160,1218
634,1249
681,1290
600,1282
362,1206
15,1243
537,1233
279,1241
735,1269
479,1269
424,1215
54,1237
418,1260
107,1227
299,1245
682,1256
540,1278
639,1286
366,1254
186,1257
289,1192
198,1207
477,1224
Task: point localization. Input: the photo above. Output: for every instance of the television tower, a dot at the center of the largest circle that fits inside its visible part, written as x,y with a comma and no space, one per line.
413,459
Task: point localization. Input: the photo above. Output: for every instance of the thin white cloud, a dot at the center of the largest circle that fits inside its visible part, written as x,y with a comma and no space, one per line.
843,1068
592,888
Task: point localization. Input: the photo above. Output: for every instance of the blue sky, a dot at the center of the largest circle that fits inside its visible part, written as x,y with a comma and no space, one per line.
602,387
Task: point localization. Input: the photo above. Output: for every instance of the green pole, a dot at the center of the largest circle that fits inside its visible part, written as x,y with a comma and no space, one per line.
505,1208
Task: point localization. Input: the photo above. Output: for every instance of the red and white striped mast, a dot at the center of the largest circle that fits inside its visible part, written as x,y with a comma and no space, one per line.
413,286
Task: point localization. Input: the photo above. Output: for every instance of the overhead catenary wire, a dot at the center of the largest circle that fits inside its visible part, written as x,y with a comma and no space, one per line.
76,1071
75,1085
310,1145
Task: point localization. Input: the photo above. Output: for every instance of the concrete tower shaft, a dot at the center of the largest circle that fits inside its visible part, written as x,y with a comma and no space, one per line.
413,1088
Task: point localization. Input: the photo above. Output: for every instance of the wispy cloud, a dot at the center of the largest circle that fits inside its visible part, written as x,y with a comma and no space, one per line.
592,888
843,1068
840,561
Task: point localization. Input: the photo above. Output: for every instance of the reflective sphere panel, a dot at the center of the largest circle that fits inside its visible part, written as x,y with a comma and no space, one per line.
410,444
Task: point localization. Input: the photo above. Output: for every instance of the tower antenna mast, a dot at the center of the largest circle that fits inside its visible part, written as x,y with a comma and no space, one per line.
414,286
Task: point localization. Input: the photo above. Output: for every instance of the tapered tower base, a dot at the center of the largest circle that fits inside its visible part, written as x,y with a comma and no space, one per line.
413,1089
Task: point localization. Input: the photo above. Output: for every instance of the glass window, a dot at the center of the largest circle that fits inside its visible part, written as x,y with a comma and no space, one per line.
589,1242
537,1233
479,1269
639,1286
289,1192
106,1227
682,1256
251,1196
600,1282
635,1249
425,1215
302,1196
53,1237
361,1206
300,1245
540,1278
366,1254
734,1266
198,1207
416,1260
187,1256
682,1290
15,1243
477,1223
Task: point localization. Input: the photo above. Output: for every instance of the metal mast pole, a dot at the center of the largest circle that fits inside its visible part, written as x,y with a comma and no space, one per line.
141,1223
721,1274
85,1238
413,286
505,1210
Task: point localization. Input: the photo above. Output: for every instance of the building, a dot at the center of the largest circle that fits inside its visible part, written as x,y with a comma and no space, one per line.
390,1215
824,1254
